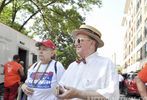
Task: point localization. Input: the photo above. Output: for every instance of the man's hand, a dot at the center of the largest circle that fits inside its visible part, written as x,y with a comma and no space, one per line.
27,90
68,93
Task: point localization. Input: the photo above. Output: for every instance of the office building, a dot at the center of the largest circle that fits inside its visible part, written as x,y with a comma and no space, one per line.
135,35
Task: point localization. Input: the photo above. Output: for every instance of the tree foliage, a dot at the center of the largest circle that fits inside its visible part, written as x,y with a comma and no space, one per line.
53,19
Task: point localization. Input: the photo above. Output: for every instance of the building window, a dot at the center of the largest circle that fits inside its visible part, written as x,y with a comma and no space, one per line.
146,49
139,55
145,28
139,22
139,37
138,5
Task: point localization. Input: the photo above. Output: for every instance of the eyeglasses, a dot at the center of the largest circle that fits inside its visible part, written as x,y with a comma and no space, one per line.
80,40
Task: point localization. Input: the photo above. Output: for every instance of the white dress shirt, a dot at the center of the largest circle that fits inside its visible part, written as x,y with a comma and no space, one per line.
97,74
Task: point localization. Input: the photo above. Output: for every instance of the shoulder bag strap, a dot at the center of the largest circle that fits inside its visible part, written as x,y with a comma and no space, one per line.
35,65
55,66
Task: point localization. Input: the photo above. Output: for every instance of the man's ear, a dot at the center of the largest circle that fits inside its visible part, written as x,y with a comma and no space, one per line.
93,43
53,52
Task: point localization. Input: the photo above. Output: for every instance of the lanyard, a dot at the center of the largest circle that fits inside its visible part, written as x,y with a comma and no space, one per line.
35,84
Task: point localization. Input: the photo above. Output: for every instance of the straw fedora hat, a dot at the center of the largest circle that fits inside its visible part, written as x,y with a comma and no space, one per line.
90,31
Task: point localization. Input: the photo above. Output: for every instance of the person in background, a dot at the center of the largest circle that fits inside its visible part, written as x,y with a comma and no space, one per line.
92,77
43,76
141,79
22,63
13,71
24,77
121,78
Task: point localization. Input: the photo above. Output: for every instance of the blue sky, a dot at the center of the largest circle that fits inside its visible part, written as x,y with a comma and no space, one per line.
108,20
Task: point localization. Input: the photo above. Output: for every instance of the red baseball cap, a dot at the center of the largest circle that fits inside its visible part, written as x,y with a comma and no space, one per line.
47,43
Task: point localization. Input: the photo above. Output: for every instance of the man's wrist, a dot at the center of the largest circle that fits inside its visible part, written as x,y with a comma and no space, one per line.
81,94
144,98
21,85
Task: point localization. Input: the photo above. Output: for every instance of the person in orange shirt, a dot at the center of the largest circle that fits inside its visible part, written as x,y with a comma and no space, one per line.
141,79
13,72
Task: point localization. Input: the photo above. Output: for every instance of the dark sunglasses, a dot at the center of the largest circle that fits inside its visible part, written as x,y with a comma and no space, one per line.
79,40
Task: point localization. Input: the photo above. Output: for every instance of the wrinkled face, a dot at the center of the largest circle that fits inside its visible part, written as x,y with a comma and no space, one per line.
45,54
84,45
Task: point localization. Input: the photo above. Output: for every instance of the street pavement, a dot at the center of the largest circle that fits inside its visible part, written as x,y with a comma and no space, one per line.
123,97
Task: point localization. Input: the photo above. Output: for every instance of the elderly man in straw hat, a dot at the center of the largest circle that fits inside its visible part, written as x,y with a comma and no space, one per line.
94,77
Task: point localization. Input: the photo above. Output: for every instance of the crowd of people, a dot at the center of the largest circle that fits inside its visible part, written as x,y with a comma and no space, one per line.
91,77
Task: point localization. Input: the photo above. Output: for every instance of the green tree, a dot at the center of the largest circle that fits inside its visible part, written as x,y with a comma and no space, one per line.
53,19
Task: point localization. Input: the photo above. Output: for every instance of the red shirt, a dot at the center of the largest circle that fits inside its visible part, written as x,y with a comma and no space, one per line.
143,73
12,75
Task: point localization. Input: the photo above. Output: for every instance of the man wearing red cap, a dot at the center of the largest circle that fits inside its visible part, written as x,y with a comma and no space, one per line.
93,77
44,75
